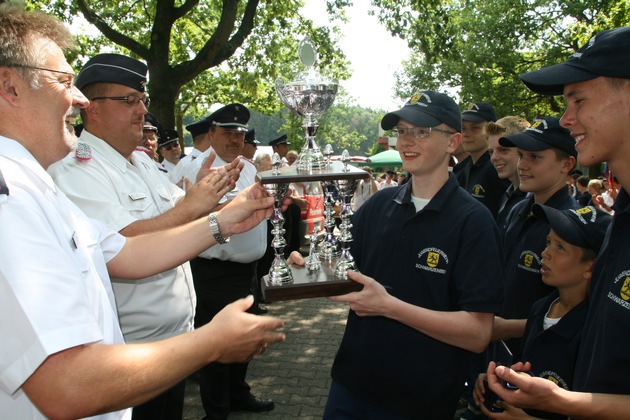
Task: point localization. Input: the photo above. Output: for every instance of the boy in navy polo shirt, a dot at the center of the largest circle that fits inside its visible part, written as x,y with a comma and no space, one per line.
546,156
480,178
554,325
595,83
434,281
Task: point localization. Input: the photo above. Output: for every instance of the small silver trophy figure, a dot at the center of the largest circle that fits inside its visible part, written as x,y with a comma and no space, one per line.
312,261
279,273
346,262
308,96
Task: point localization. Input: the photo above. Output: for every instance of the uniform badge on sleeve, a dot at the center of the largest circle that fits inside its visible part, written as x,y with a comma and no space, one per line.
83,152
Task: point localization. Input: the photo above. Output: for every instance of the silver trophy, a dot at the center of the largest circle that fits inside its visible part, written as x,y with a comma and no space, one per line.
346,189
308,96
279,273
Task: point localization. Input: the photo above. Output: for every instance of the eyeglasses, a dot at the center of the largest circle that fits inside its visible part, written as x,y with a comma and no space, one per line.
24,66
417,132
131,100
68,83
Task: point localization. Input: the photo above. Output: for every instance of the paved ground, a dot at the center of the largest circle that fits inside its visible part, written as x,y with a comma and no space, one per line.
296,373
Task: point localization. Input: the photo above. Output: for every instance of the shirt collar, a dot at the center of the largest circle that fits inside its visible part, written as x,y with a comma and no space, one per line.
15,151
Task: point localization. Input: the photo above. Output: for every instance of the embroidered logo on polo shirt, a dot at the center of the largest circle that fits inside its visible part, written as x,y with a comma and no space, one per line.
529,261
478,191
623,282
555,378
432,259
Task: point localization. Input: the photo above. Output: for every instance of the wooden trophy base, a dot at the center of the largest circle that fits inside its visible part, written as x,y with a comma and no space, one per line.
307,285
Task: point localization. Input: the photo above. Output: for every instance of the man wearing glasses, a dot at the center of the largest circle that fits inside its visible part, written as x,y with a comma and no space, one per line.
427,255
228,271
123,188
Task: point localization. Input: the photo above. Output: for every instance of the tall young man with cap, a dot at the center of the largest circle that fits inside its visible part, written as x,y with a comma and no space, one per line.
595,82
63,354
228,271
171,151
546,156
479,177
149,139
119,186
422,311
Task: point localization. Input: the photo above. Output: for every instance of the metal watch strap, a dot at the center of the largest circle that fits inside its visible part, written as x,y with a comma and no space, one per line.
214,228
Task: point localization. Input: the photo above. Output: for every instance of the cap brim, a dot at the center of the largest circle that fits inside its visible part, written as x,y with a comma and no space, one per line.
168,142
231,126
411,114
561,224
525,142
472,118
551,80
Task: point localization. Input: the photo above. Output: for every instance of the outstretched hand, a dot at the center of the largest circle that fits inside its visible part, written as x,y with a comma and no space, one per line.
231,170
239,336
250,207
372,300
206,194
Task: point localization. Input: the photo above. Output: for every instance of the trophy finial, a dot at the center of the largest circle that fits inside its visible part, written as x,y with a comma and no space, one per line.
276,162
307,53
345,159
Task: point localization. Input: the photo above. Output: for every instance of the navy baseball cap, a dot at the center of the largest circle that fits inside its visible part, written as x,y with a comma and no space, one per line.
250,137
479,112
426,109
605,54
584,227
545,133
113,68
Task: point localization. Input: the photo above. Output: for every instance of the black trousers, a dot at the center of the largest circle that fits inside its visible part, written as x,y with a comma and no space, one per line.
218,283
169,405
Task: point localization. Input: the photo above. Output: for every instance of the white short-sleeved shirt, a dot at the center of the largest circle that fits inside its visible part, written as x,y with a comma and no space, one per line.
245,247
182,166
55,292
118,192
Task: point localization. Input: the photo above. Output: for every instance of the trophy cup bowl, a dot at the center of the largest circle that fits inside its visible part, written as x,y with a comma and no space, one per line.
308,96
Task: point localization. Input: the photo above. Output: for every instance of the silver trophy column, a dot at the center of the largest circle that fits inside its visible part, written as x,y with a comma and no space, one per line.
279,273
346,189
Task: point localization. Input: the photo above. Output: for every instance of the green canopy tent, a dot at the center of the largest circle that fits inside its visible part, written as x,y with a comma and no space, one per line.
388,158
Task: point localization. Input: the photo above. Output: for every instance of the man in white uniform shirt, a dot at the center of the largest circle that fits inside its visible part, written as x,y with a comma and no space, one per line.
228,271
121,187
201,142
171,151
62,352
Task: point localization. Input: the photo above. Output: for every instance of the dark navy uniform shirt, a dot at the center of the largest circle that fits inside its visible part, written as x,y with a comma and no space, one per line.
552,352
460,170
483,183
603,363
445,258
524,241
507,202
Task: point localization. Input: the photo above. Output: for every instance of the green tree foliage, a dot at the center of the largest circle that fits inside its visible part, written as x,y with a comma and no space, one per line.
478,48
203,52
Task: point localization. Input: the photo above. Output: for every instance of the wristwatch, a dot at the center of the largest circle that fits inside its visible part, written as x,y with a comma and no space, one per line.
214,228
